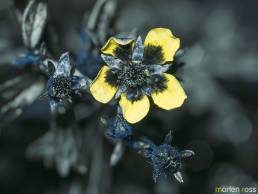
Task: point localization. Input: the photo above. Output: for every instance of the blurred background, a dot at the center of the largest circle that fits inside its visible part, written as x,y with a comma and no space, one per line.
218,121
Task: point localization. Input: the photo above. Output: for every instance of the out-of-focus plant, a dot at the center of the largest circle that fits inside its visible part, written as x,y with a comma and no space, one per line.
23,89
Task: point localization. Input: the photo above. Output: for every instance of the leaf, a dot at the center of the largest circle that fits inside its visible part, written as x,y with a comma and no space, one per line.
33,22
158,69
168,138
138,50
179,177
64,67
187,153
117,153
111,61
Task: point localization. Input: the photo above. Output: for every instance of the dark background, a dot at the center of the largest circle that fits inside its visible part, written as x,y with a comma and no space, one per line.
218,121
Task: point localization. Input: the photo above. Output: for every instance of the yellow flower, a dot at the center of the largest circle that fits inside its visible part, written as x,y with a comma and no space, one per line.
135,71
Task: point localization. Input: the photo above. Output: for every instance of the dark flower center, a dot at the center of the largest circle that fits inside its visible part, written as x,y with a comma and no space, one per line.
133,75
167,158
172,163
61,87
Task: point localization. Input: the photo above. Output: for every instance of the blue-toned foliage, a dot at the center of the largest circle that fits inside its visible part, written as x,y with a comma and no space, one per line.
118,128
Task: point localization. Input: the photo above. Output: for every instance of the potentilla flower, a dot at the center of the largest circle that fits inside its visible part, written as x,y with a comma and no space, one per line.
165,159
135,70
64,83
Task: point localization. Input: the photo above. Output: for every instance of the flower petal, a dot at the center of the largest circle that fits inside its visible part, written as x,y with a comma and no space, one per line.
162,37
172,97
101,89
134,111
113,43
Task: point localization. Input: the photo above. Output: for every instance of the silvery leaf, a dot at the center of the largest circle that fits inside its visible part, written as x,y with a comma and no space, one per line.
120,90
53,106
64,67
138,50
187,153
43,50
33,22
80,83
179,177
48,66
111,61
168,138
158,69
103,121
117,153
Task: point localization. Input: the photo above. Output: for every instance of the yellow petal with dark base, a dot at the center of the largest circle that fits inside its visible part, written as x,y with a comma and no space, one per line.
135,111
113,43
162,37
100,89
172,97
